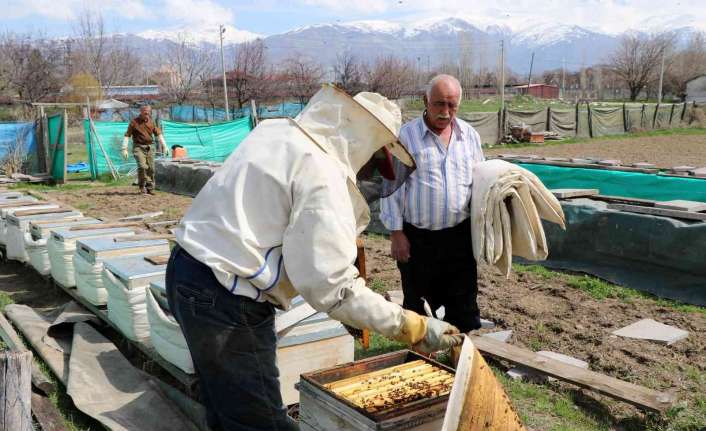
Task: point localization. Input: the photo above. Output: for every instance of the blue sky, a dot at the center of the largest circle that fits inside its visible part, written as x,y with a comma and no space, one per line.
265,17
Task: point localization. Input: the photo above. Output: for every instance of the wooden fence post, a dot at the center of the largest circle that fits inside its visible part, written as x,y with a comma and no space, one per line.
590,120
625,119
654,118
549,119
16,391
576,121
671,115
642,117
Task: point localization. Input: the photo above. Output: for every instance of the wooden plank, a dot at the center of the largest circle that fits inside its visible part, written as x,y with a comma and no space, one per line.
46,414
158,260
140,217
162,223
144,237
624,200
108,226
687,215
13,340
38,212
16,390
18,203
639,396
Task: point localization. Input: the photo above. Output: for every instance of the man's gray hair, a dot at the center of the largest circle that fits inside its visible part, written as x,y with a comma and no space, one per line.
441,78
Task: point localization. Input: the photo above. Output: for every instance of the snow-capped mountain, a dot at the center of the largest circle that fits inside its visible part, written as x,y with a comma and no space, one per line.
429,43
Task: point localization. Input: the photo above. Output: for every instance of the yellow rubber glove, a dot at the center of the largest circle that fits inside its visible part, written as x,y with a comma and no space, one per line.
428,334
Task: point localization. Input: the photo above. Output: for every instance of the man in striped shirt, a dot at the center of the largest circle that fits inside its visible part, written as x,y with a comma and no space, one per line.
429,215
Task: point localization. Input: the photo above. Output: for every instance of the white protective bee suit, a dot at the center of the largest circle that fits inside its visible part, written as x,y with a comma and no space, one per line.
281,217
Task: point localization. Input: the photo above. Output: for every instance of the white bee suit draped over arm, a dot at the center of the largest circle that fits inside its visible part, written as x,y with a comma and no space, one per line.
507,205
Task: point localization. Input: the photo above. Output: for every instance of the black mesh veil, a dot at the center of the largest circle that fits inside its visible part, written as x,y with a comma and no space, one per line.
382,176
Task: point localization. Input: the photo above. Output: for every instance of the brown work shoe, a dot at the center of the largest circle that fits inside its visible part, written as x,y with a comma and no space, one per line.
150,192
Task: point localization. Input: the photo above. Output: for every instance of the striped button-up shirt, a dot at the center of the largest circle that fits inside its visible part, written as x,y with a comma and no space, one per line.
437,195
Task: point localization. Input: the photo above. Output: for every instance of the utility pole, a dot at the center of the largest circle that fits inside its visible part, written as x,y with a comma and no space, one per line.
563,77
502,75
221,30
661,79
529,79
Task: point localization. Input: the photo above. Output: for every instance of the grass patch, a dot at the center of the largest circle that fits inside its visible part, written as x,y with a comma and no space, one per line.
378,345
5,300
377,285
601,289
543,408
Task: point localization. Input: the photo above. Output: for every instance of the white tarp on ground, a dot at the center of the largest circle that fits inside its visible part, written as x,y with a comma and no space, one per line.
507,203
166,336
100,380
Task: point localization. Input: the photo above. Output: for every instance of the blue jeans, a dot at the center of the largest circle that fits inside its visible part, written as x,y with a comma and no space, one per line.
233,345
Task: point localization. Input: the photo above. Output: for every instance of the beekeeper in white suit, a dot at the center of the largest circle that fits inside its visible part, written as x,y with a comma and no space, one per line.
280,219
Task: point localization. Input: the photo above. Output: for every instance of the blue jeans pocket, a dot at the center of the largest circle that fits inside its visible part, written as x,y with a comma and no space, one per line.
195,297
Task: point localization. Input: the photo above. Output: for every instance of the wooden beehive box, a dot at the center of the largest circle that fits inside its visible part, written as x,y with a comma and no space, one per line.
8,195
67,235
42,228
7,210
94,250
135,271
347,397
22,222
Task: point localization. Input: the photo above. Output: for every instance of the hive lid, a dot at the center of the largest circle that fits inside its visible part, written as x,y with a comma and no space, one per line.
66,234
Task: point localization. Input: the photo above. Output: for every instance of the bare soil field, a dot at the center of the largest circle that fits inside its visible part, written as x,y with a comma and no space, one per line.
122,201
663,151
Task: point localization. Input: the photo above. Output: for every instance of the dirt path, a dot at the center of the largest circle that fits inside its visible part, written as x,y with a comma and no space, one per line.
545,313
115,202
663,151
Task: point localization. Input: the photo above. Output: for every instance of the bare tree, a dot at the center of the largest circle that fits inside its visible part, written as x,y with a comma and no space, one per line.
637,59
348,73
303,77
101,55
183,67
686,64
392,77
246,79
29,67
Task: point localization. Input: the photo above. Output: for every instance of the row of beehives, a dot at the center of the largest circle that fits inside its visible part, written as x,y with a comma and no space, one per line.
128,277
184,177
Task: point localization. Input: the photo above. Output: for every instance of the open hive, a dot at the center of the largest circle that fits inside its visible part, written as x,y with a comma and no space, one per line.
396,391
393,387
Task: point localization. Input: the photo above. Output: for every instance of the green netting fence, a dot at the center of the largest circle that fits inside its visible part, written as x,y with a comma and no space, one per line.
212,142
57,150
616,183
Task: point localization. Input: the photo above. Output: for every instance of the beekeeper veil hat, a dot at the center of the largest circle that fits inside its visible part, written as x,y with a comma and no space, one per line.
360,132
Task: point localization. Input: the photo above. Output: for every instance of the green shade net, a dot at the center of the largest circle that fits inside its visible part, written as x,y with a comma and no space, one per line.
212,142
655,254
617,183
57,152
